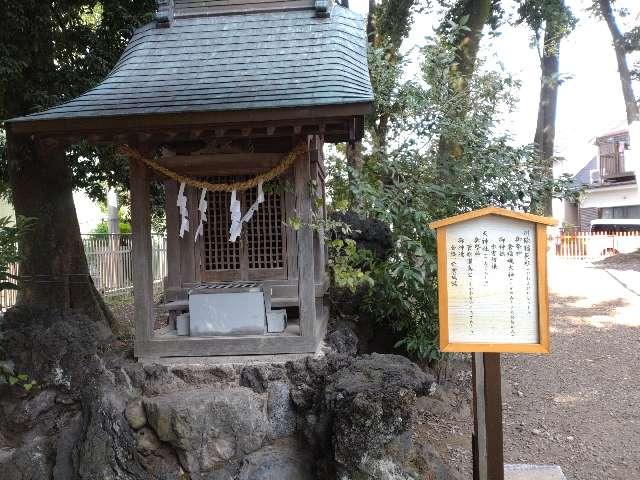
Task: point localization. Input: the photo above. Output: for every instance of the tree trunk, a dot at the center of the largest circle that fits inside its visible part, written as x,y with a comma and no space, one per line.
468,45
546,126
631,106
371,28
54,269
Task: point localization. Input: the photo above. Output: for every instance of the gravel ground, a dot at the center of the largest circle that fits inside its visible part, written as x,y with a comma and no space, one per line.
578,407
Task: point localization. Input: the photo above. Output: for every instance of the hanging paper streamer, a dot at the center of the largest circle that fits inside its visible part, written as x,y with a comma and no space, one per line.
236,218
202,208
252,209
237,221
184,213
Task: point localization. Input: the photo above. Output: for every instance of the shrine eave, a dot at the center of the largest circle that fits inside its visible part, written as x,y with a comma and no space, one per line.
208,70
183,121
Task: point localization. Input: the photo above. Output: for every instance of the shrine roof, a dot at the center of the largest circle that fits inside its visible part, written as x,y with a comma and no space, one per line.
203,62
502,212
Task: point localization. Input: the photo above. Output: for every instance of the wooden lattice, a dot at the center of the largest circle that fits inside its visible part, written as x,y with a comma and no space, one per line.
264,232
219,253
261,245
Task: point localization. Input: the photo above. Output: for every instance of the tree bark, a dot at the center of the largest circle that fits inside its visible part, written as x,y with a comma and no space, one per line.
630,103
468,43
54,271
546,125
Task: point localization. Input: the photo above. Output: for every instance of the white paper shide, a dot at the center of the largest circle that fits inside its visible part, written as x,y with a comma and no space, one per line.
492,281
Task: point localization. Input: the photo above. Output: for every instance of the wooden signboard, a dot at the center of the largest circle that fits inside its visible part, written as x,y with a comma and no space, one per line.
492,282
492,294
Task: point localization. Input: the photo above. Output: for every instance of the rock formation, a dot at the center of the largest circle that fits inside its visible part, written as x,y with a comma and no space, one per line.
101,415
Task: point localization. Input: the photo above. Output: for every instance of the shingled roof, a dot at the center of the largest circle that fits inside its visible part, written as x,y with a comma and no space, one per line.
203,62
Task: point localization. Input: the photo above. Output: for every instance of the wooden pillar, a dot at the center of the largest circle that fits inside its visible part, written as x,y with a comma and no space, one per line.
292,240
197,250
306,287
317,174
488,460
142,268
173,245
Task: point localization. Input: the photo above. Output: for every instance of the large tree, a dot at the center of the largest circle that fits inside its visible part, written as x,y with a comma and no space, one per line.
388,25
622,44
551,21
50,52
465,21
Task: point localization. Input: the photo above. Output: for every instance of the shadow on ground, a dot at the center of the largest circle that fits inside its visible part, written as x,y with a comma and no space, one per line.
622,261
574,306
578,407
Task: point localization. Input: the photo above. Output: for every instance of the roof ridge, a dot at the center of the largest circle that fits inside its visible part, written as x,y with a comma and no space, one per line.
169,10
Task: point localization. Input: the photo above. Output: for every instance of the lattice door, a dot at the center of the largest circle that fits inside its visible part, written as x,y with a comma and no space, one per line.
259,253
220,255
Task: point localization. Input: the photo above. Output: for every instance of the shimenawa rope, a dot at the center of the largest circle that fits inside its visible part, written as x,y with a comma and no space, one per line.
276,171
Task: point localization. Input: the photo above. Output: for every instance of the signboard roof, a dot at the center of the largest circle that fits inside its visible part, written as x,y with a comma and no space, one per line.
528,217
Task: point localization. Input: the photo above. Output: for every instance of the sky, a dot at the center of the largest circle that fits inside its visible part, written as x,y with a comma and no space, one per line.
589,103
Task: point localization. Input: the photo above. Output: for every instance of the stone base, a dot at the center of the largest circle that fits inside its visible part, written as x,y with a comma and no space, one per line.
533,472
242,360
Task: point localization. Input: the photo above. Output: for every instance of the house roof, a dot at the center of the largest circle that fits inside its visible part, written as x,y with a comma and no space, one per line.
483,212
583,176
235,62
616,134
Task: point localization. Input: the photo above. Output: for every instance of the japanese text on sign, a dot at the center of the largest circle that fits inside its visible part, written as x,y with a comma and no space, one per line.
491,281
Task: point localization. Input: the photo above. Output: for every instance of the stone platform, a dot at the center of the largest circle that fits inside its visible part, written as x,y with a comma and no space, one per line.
533,472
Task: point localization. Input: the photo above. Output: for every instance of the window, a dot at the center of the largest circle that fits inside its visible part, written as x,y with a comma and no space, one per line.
631,211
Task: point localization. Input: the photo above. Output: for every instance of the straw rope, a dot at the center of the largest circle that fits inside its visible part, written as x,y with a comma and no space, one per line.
276,171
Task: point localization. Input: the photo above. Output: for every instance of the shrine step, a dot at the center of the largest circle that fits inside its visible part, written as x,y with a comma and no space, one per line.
533,472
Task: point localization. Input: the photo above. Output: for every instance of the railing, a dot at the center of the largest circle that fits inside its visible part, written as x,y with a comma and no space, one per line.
109,257
593,246
611,165
110,261
8,297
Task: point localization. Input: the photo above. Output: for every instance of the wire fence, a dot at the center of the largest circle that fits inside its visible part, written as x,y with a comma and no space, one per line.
110,261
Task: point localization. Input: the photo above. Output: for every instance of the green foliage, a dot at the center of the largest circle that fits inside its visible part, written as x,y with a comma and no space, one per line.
394,99
392,21
408,186
10,235
18,379
103,228
348,265
552,15
51,52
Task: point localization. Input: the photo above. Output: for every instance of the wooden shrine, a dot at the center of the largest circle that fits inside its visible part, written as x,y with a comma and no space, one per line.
218,92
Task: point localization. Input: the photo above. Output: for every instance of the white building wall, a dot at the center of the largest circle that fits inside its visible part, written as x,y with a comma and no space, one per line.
618,196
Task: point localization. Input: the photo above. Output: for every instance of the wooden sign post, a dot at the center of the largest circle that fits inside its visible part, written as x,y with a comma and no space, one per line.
493,298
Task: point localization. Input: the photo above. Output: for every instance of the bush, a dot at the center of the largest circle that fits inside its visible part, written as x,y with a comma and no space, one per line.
408,184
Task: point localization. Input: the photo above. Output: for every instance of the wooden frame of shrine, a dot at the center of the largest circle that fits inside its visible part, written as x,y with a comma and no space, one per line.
219,94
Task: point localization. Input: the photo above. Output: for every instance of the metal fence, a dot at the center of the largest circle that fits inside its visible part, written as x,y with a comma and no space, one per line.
109,257
594,246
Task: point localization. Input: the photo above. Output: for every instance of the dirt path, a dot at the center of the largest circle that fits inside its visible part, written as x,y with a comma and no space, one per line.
580,406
